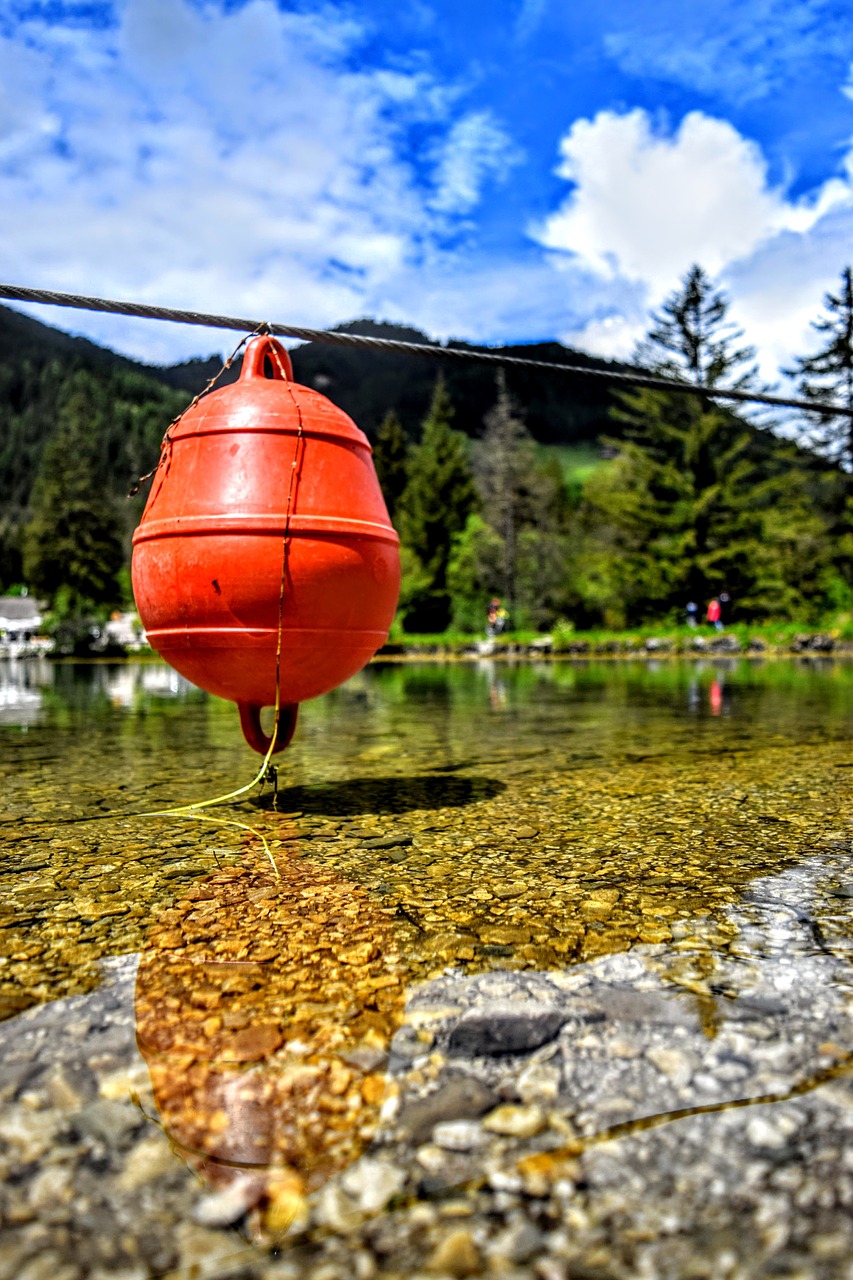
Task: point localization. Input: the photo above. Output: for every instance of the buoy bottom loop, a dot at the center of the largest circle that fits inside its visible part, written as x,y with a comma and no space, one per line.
250,723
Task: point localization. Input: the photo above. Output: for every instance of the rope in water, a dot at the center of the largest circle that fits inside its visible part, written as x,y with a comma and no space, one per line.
433,350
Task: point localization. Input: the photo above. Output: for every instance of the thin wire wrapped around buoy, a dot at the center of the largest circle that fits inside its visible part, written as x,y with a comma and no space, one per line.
265,567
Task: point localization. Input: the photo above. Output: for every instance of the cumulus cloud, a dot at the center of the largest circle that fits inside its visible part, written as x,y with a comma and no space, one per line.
646,203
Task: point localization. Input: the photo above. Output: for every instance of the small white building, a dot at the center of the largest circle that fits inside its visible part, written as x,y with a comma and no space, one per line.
21,619
125,629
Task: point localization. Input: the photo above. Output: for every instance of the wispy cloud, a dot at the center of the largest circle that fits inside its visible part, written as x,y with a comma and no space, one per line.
475,149
529,18
730,51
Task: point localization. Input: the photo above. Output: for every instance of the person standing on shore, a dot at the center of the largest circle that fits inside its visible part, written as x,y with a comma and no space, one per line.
496,618
725,608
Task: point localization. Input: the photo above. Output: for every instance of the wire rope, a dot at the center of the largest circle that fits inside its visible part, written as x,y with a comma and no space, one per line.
335,337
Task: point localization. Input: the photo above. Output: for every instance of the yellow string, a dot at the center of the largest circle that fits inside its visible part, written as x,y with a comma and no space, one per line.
187,812
190,810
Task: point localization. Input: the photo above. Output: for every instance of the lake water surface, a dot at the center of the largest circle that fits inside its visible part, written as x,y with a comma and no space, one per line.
499,926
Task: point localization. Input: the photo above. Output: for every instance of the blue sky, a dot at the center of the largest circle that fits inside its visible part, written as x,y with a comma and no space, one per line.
502,172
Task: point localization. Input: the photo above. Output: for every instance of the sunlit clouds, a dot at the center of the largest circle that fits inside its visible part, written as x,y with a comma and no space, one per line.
645,203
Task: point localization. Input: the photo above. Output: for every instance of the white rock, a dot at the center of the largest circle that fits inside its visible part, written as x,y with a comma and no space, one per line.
225,1207
372,1183
539,1083
673,1064
761,1133
458,1135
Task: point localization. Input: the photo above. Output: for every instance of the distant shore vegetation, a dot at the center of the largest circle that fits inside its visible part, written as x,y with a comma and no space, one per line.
670,500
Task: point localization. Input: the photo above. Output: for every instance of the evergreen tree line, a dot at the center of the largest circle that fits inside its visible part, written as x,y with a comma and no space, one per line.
695,499
692,498
73,440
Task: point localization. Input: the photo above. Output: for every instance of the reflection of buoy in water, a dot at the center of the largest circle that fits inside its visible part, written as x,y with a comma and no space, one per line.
264,1010
265,519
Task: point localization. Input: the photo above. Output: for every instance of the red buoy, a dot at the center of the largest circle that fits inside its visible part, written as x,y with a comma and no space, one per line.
265,546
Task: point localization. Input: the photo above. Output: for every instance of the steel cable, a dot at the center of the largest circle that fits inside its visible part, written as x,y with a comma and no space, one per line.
431,350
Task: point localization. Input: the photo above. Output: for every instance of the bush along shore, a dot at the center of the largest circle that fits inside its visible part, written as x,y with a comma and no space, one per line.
759,640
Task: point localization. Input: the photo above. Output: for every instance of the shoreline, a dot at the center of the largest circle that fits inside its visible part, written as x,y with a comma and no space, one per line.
811,645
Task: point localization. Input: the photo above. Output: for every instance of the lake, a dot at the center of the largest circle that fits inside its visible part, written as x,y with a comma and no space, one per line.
534,970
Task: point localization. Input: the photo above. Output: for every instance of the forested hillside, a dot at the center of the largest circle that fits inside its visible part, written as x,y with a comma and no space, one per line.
122,408
559,409
681,498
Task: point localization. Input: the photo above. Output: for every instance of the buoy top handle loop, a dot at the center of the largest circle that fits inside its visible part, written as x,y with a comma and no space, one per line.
267,359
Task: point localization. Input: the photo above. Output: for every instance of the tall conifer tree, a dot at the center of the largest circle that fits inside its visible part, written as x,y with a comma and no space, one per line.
438,498
681,514
73,537
390,452
521,499
692,338
828,374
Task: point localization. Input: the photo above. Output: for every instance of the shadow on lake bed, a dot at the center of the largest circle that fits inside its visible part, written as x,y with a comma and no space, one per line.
383,795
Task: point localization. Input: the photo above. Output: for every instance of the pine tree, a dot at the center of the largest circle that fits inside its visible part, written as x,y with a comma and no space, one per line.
438,498
683,512
504,461
476,565
692,339
390,452
828,374
73,537
521,500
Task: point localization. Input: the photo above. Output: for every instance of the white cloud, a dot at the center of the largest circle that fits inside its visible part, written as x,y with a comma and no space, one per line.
646,204
240,161
529,18
474,148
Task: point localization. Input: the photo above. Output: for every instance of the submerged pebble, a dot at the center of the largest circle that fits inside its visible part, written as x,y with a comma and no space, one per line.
516,985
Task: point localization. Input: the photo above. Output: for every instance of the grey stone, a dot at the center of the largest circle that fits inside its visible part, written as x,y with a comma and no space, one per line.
623,1004
504,1027
460,1097
520,1242
109,1122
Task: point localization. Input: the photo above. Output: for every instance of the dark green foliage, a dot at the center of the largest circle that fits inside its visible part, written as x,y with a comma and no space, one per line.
438,498
680,514
73,539
697,501
691,338
828,375
390,455
559,409
474,573
121,418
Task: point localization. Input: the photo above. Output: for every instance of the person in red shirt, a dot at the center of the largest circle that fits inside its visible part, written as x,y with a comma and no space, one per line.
712,614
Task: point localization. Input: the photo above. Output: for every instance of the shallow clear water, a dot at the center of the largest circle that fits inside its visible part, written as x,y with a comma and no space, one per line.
431,819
